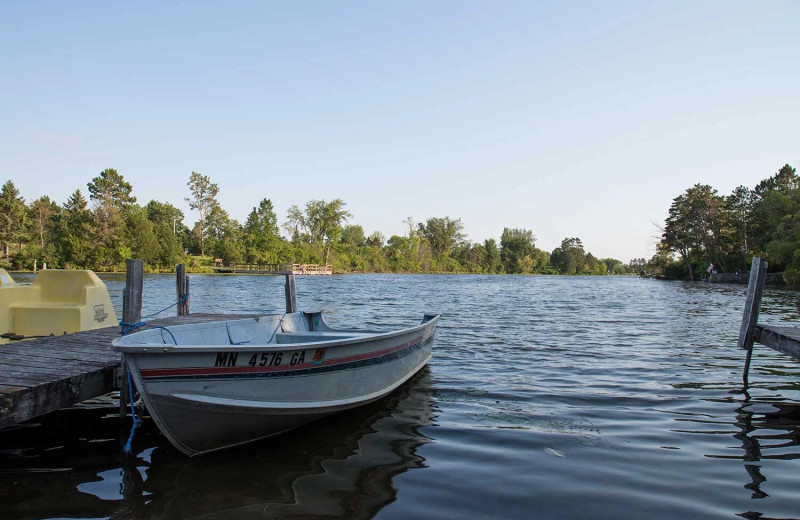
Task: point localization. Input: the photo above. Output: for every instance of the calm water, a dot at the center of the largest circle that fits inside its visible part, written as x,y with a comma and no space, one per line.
547,397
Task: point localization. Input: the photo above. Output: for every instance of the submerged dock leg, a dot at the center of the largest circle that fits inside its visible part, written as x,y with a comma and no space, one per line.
755,289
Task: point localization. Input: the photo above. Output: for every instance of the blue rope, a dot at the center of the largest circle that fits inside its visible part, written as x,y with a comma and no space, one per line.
168,331
181,302
280,322
136,420
128,327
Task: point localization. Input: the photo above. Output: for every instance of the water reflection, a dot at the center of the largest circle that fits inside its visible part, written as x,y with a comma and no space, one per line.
765,430
340,467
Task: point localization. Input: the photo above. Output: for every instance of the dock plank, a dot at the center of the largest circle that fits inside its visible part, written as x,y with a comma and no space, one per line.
42,375
783,339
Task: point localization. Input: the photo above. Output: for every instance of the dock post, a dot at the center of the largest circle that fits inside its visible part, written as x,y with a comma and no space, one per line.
755,289
131,314
188,297
291,293
182,289
132,296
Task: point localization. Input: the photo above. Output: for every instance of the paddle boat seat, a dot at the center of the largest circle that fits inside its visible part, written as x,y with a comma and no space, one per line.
57,302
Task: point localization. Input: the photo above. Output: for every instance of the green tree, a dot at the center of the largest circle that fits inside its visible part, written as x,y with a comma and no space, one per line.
402,253
570,258
169,230
739,205
353,235
443,235
111,188
493,263
323,221
224,235
516,244
376,239
614,266
203,199
72,229
112,198
295,223
261,238
769,206
41,213
13,217
695,227
140,236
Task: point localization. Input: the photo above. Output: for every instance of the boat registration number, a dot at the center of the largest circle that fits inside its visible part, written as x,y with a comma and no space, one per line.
271,359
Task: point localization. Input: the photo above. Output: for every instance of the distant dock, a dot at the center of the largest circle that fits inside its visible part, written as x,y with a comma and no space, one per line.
296,269
769,278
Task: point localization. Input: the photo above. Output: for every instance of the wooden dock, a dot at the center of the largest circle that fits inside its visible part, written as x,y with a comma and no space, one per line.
42,375
783,339
295,269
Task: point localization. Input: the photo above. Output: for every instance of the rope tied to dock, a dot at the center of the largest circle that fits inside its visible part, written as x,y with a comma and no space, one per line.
127,328
179,302
136,421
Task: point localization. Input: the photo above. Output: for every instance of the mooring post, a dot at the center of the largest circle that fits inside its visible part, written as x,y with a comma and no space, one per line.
132,296
755,289
131,314
291,293
180,287
188,297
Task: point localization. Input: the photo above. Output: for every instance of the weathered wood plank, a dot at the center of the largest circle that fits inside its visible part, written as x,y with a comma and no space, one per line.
40,399
102,348
783,339
60,354
43,364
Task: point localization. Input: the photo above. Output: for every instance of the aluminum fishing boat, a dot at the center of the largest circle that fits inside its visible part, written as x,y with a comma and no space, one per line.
210,386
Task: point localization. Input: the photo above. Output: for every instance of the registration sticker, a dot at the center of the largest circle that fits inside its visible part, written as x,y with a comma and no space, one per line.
318,357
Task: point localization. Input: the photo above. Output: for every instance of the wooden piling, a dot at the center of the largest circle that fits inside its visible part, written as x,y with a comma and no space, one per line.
291,294
132,295
188,293
131,315
748,329
182,289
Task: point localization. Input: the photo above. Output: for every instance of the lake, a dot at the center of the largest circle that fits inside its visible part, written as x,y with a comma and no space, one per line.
546,397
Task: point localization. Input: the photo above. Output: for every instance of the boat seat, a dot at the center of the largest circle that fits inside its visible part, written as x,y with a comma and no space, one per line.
41,319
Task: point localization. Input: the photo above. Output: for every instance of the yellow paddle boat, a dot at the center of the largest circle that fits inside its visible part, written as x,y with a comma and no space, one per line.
57,302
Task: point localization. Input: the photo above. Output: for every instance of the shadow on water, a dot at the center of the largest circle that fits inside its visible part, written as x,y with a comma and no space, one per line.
339,467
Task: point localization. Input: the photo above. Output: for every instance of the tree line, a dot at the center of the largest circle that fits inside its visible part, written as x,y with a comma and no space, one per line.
101,232
723,232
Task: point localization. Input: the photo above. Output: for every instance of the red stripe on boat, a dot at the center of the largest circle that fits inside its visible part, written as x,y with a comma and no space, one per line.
204,371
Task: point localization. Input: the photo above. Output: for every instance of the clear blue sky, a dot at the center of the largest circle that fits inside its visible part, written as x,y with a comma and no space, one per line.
571,119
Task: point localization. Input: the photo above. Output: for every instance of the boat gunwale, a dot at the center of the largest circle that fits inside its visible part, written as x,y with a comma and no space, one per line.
356,337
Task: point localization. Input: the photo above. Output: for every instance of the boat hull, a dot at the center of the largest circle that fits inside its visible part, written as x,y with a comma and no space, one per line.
206,398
